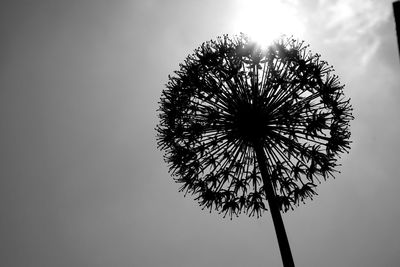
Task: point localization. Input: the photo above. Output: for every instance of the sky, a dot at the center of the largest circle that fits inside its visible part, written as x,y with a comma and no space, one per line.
82,182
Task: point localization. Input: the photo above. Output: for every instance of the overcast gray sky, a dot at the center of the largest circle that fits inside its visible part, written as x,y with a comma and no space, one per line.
83,184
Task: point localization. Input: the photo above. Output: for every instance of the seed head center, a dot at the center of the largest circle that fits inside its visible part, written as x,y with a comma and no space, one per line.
251,122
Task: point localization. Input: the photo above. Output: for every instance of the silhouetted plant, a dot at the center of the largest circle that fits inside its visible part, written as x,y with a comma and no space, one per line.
240,124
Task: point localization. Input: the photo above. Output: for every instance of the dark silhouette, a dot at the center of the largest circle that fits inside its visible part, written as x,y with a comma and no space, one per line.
240,125
396,10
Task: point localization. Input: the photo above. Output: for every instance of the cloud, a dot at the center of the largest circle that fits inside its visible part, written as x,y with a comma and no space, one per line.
355,24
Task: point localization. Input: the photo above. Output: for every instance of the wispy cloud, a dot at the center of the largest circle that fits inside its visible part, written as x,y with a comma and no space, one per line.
348,24
355,23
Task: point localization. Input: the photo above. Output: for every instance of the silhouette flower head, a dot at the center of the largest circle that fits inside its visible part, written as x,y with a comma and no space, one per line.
230,97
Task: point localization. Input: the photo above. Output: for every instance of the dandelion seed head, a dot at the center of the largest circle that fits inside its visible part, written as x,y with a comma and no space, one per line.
232,94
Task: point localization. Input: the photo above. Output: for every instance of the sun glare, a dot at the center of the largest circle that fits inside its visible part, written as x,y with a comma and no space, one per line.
266,20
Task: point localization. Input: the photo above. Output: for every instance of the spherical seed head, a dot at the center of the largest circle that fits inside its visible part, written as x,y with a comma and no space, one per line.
230,95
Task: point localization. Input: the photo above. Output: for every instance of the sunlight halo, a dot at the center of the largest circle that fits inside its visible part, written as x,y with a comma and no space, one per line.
265,20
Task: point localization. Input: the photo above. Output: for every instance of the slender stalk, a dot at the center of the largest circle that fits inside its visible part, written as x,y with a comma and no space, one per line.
283,241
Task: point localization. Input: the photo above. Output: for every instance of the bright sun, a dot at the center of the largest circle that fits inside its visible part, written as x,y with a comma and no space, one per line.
265,20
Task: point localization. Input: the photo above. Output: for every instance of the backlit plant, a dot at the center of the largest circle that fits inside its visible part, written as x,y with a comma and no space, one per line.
243,125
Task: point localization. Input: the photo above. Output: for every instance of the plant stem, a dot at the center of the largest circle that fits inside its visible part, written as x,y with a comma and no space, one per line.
283,241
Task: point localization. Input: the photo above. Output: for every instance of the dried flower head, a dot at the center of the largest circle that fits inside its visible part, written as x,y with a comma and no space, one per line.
231,95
